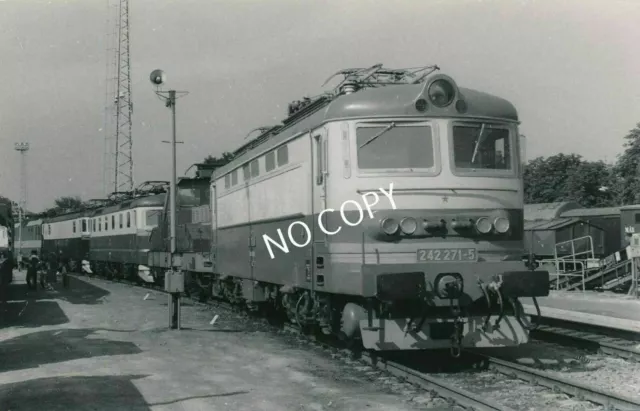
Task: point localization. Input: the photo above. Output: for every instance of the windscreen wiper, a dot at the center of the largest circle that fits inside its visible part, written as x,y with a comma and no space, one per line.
387,128
475,149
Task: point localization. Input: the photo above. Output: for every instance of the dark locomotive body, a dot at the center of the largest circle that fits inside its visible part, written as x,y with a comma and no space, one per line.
193,230
120,239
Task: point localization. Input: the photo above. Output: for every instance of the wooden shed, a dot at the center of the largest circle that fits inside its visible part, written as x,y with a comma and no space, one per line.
541,237
607,218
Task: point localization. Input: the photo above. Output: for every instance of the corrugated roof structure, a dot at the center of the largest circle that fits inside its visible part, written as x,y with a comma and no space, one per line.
548,211
592,212
555,224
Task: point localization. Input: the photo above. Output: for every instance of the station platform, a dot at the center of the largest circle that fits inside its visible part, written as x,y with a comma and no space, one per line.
106,346
602,309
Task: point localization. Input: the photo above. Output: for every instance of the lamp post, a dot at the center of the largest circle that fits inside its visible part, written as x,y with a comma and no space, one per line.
22,148
174,278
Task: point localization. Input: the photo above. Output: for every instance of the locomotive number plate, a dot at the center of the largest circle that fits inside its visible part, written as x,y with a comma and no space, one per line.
443,255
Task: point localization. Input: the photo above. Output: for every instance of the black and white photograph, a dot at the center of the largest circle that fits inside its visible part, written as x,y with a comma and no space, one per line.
319,205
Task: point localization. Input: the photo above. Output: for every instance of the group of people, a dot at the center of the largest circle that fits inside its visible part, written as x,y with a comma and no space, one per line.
48,270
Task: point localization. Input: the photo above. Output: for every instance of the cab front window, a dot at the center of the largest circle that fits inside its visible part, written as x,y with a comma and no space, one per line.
482,147
394,147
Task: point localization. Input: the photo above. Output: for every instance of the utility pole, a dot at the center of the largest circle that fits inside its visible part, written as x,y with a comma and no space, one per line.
174,278
22,148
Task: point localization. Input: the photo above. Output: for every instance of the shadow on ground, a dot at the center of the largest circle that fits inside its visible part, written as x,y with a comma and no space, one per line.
78,292
74,393
46,347
83,393
31,313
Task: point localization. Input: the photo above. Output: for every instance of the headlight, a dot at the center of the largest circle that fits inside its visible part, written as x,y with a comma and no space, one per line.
441,93
483,225
501,225
389,226
408,225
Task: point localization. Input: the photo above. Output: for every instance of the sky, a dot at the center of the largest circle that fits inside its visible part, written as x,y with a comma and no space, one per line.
570,68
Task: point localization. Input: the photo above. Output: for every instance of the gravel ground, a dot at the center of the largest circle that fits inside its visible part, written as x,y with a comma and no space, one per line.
598,370
516,394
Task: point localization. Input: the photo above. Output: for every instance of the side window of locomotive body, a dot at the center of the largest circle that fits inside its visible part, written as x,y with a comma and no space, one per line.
270,161
393,147
152,218
245,172
282,155
255,168
481,148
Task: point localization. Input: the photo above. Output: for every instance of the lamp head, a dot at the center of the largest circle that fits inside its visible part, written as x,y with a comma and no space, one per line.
157,77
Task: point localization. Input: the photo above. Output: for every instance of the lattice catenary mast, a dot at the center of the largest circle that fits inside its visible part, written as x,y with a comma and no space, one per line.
118,155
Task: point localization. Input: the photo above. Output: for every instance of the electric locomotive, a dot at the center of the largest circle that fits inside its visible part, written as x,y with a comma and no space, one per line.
121,231
193,232
28,237
65,236
436,265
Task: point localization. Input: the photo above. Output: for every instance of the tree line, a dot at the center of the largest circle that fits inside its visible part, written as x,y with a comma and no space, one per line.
569,177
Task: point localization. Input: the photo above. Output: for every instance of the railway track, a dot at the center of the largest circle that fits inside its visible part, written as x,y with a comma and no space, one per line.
607,341
576,389
458,396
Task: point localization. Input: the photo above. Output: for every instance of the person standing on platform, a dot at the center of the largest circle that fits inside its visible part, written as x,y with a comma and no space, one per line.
32,270
62,269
